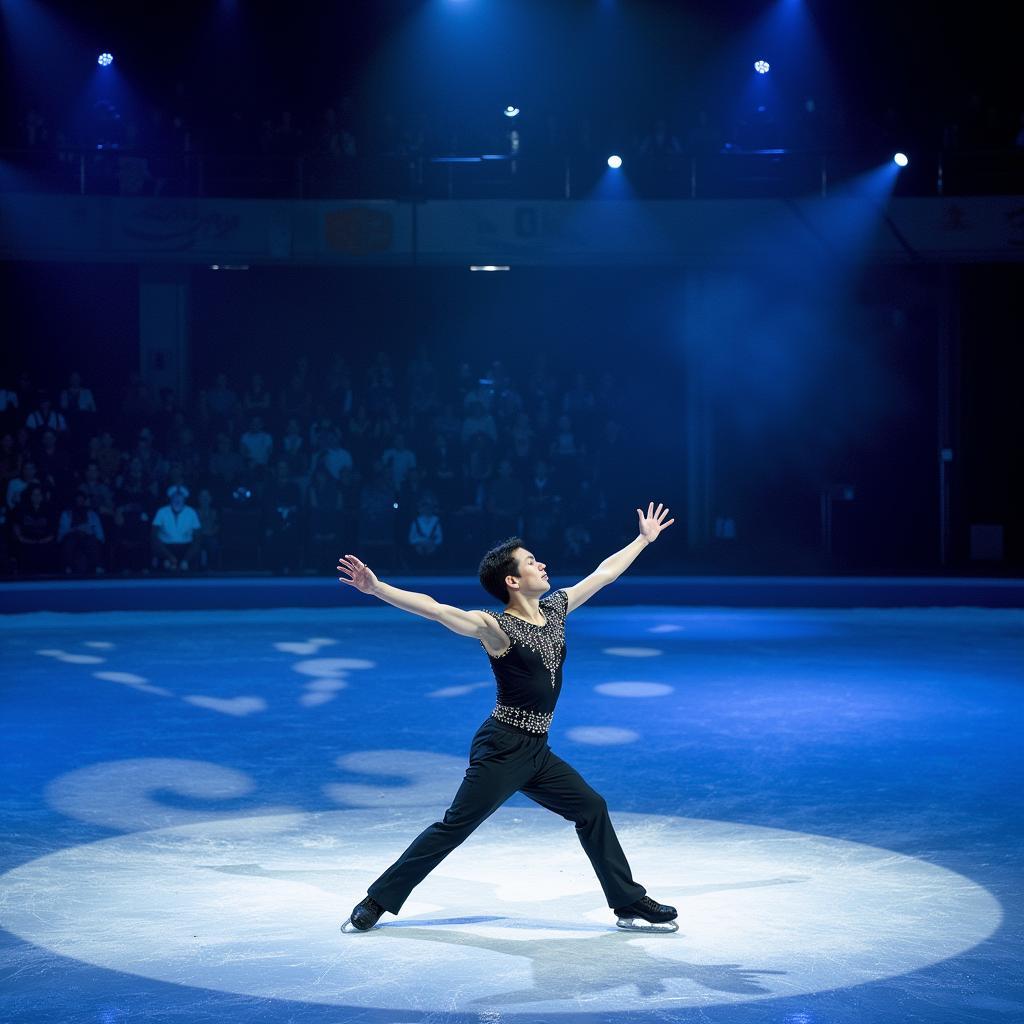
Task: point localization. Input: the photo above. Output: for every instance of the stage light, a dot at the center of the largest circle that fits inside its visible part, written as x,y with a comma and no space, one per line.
614,161
900,159
488,267
762,67
105,60
511,111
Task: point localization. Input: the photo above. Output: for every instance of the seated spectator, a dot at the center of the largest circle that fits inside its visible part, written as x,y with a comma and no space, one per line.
334,457
282,533
377,517
154,466
9,463
520,452
53,465
80,536
543,504
176,532
477,469
19,485
325,516
566,452
8,409
101,497
506,501
398,460
425,533
184,451
478,421
133,499
359,425
78,405
106,455
257,400
219,404
293,448
256,444
35,534
224,467
209,517
45,417
295,399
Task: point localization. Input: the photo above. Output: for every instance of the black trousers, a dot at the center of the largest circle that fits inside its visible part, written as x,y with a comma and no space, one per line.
504,760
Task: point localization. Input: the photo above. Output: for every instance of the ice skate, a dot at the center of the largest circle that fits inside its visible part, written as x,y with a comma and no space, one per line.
364,916
645,915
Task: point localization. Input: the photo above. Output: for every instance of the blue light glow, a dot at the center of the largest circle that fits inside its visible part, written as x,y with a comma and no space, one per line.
105,60
762,67
900,159
614,162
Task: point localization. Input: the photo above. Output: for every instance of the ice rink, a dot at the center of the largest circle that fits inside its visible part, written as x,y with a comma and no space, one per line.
194,800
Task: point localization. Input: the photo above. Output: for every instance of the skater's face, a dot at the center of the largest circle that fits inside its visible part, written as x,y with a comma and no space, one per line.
532,579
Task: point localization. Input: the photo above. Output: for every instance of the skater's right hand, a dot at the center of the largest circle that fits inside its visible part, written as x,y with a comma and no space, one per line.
359,575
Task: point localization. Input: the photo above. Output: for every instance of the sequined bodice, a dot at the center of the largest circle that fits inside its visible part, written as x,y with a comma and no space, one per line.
529,673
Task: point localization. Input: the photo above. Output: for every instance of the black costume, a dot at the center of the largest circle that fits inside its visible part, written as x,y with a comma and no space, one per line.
510,754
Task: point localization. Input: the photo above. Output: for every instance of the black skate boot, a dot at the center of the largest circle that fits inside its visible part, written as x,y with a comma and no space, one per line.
364,916
647,916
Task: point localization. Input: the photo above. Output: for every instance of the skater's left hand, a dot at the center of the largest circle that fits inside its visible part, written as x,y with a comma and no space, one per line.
654,522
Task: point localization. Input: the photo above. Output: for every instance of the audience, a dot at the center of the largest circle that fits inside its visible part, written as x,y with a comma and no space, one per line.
278,490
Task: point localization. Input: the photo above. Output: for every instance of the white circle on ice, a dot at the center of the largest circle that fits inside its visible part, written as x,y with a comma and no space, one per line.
253,906
634,689
602,735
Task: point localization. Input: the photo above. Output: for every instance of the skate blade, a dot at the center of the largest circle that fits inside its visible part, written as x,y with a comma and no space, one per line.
638,924
349,928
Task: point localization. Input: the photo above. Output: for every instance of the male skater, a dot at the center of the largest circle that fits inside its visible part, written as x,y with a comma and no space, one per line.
510,752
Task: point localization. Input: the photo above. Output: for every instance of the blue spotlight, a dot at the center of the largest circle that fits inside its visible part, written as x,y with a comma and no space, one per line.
762,67
105,60
511,111
900,159
614,162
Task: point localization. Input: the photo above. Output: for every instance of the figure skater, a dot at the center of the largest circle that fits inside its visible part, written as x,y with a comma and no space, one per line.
510,752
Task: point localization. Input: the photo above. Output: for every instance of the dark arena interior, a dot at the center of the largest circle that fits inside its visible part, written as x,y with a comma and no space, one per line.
350,349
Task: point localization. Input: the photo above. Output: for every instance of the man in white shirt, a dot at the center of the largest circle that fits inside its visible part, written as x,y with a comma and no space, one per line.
176,532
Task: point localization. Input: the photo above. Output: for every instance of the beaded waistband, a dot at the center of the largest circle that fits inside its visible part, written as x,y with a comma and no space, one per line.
532,721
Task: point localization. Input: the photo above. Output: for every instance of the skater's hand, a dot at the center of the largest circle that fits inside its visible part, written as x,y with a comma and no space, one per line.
654,522
358,575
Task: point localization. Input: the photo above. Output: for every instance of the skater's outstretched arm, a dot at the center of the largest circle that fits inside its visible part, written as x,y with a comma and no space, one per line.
615,565
474,624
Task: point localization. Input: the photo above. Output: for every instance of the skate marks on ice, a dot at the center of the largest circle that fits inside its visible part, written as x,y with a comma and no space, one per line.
513,918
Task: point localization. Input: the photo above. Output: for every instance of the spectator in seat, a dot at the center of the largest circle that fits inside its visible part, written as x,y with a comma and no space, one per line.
176,533
256,444
425,533
224,466
45,417
53,465
282,503
20,485
35,534
80,536
209,517
133,499
398,460
325,510
78,405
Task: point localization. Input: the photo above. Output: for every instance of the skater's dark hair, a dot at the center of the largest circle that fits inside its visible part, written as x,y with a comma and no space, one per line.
498,563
